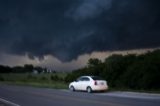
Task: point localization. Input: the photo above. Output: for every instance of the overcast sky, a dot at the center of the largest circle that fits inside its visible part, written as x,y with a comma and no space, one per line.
64,34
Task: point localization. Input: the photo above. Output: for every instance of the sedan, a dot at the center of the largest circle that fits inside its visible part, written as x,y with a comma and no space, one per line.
89,84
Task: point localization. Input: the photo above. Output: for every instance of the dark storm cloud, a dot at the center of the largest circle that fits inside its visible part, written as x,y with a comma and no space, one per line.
89,9
69,28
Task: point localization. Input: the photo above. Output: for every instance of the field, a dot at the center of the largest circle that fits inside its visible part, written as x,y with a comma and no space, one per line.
53,80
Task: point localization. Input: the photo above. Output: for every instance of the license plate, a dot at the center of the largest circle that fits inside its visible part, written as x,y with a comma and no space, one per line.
102,83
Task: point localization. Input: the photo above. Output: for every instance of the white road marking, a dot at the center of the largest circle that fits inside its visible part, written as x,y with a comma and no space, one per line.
8,102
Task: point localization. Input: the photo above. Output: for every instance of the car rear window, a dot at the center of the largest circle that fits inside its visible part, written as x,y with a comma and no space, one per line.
96,78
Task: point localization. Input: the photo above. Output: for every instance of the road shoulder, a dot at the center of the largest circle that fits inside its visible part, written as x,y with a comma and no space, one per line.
131,95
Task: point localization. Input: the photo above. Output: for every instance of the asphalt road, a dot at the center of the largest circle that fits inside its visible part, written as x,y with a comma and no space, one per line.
29,96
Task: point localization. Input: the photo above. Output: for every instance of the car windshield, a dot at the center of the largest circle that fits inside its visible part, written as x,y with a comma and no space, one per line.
96,78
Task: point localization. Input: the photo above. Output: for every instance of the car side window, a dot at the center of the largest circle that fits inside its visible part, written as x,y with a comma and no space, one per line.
83,79
80,79
86,79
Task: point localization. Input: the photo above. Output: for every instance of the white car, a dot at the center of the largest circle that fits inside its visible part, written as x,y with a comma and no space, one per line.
89,84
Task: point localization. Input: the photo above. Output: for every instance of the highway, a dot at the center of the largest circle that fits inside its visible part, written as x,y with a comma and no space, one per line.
30,96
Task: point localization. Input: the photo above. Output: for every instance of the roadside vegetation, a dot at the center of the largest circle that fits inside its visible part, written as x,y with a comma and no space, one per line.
122,72
49,80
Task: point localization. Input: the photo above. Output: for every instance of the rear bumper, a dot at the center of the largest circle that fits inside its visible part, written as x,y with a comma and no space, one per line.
100,88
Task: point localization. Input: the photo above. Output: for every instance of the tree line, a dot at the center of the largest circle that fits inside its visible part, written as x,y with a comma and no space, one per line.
27,68
141,72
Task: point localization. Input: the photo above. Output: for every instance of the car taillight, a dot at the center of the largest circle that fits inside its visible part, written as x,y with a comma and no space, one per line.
95,82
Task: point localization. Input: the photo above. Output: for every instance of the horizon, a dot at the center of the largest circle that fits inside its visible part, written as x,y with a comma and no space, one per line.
80,62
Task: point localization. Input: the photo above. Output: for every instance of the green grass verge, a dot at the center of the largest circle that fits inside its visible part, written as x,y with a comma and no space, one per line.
54,85
53,80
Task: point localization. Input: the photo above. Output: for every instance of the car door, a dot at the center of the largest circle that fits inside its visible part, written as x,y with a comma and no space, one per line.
84,83
78,83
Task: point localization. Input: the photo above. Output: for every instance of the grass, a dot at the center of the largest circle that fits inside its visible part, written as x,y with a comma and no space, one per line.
56,85
53,80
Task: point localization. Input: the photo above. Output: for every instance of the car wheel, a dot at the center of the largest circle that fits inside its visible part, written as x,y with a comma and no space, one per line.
72,88
89,89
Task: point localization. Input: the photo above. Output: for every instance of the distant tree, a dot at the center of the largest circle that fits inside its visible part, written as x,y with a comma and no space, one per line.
18,69
39,69
113,69
93,62
28,67
5,69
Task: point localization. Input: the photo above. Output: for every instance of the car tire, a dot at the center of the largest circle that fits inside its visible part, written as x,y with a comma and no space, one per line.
72,88
89,89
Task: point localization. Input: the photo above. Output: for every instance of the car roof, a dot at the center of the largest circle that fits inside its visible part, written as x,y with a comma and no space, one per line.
89,76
